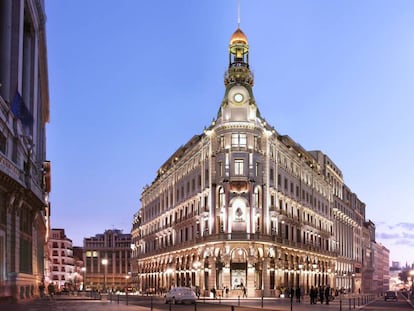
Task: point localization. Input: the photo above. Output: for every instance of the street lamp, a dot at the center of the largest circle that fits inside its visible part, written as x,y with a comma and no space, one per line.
412,282
104,263
127,277
83,269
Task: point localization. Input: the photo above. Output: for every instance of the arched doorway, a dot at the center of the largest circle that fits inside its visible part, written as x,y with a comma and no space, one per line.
238,268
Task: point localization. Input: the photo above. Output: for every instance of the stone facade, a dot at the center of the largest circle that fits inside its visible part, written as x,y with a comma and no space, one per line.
106,260
24,171
242,206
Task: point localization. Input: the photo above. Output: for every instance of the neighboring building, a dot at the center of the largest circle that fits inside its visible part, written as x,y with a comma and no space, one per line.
24,171
241,205
368,237
395,265
107,260
376,270
77,277
62,263
382,265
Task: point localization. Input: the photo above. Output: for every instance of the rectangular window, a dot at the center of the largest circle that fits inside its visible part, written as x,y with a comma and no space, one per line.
238,167
220,169
239,140
222,142
3,143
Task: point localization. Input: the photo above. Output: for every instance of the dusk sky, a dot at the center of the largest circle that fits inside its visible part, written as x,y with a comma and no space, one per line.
131,81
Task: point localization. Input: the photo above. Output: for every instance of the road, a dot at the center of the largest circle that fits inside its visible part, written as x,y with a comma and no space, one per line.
381,305
140,303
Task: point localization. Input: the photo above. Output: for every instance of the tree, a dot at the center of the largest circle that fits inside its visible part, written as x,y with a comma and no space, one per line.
403,276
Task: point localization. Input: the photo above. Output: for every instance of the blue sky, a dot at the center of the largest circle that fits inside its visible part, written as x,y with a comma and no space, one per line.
131,81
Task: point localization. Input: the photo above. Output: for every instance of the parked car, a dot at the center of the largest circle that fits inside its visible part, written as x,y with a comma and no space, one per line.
180,295
390,295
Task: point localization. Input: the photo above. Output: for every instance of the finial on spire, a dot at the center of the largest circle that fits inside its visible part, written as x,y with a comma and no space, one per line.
238,13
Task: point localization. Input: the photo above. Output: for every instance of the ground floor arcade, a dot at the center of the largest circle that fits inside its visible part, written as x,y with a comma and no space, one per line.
262,269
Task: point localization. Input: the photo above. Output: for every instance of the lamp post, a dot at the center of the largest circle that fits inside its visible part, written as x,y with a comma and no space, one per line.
83,269
412,282
104,263
353,282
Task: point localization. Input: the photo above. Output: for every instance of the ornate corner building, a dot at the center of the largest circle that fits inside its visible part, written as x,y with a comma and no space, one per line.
24,171
241,206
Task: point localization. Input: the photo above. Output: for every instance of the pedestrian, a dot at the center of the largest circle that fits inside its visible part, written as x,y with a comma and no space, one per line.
297,293
213,290
327,294
42,290
321,294
51,289
312,295
244,292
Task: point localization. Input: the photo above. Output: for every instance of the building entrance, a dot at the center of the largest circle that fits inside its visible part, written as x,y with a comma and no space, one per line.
238,269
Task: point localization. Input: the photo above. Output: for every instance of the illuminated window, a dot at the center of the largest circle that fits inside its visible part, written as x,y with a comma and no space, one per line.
238,167
239,140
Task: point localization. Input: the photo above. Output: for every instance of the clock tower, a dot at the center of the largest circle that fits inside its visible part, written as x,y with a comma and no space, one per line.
238,103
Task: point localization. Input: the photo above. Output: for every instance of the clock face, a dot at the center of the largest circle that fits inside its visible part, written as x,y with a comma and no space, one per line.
238,98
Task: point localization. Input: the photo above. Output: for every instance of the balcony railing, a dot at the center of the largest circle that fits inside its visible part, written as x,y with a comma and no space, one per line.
240,236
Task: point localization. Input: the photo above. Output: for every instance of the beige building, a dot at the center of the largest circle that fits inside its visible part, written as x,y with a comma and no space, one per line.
106,260
24,171
241,205
62,264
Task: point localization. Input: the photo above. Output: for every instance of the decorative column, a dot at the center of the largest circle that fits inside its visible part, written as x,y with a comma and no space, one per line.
266,277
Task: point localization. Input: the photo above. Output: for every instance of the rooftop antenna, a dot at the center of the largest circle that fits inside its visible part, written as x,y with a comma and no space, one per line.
238,13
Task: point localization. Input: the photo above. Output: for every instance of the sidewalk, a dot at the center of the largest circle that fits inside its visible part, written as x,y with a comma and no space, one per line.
69,305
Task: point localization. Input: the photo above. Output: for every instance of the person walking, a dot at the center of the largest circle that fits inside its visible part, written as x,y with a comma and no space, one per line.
321,294
312,295
327,294
244,292
297,294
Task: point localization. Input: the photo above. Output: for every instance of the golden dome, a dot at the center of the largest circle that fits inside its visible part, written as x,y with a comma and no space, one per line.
238,37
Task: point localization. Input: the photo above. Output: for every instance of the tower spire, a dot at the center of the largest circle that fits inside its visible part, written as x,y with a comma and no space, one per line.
238,13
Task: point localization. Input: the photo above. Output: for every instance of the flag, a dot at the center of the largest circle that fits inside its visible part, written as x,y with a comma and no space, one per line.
20,111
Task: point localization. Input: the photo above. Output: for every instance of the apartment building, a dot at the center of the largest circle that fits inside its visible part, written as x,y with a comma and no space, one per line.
62,263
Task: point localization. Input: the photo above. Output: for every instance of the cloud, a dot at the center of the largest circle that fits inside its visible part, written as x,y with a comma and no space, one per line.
405,242
396,234
388,236
398,238
406,225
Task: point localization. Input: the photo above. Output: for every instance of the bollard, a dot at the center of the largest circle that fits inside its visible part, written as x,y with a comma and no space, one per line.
232,308
219,299
354,302
262,301
170,305
349,303
151,306
358,301
238,299
195,305
126,294
340,304
118,299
